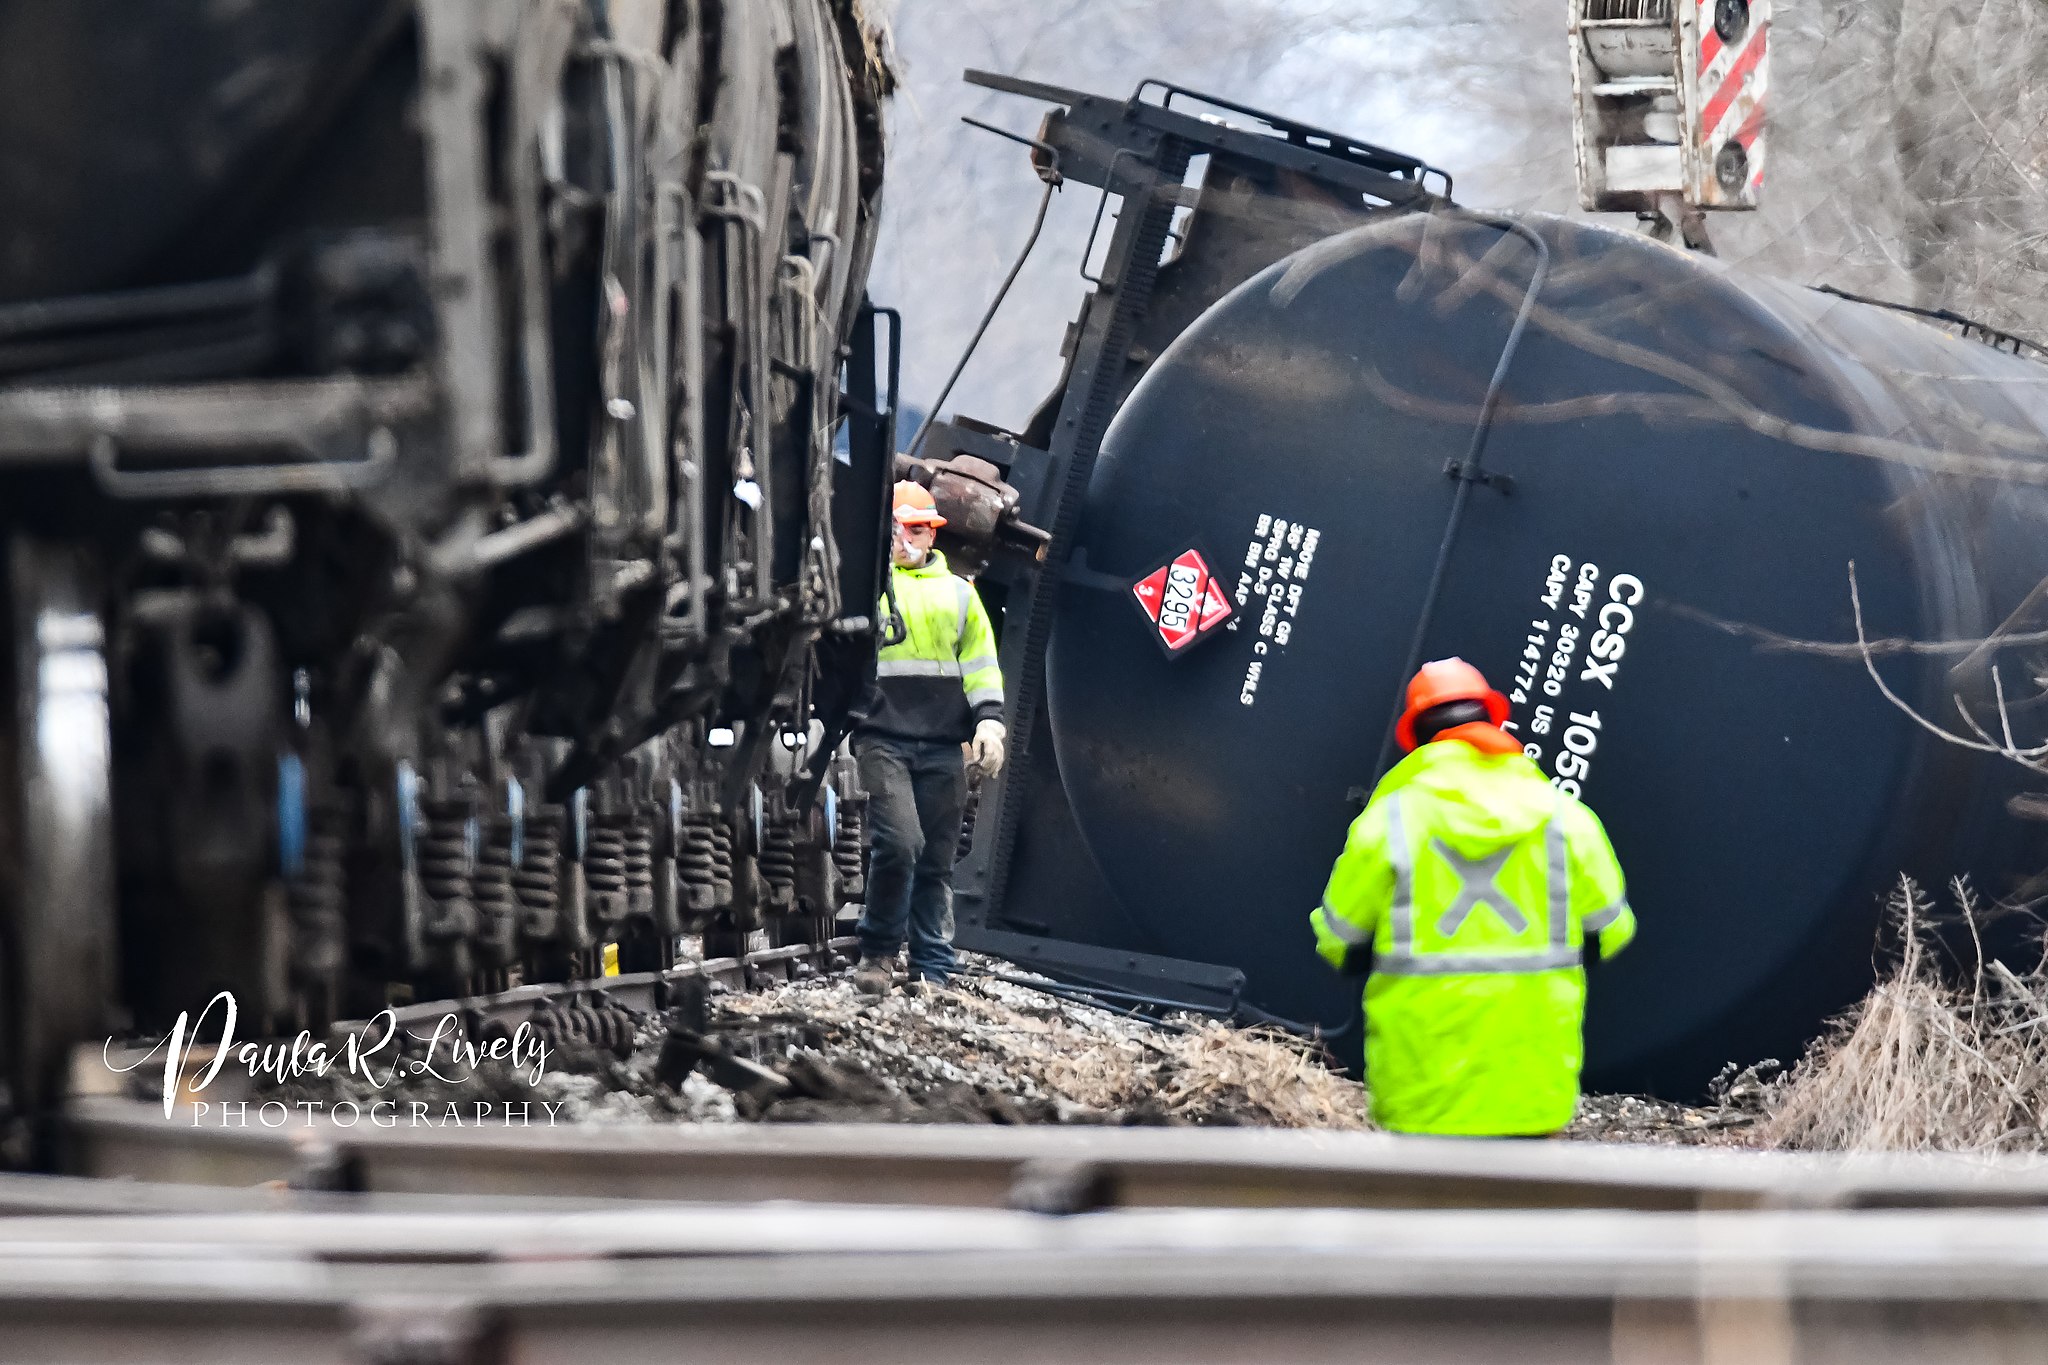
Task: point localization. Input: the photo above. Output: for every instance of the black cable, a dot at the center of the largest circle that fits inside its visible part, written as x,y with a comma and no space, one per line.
1161,1001
1247,1013
1052,179
895,630
1468,472
1240,1012
1095,1003
1083,995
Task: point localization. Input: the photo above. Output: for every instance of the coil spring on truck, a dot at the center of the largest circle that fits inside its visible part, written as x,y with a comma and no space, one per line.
538,881
697,863
777,859
636,859
721,850
849,850
492,891
446,866
604,868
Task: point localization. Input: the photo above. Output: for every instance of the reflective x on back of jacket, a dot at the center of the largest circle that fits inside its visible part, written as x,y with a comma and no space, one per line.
942,676
1474,884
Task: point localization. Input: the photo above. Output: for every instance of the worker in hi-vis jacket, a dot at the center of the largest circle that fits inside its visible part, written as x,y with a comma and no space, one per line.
1471,889
938,689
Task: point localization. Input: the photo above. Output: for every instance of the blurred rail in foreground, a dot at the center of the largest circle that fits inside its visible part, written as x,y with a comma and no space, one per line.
792,1283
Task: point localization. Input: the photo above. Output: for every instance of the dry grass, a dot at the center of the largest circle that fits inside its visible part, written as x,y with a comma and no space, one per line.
1939,1056
875,21
1270,1076
1214,1072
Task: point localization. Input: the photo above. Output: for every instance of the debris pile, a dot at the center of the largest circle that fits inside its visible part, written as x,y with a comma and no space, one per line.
980,1050
987,1050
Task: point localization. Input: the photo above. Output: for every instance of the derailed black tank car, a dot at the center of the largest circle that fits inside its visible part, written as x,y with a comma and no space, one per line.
1627,482
425,552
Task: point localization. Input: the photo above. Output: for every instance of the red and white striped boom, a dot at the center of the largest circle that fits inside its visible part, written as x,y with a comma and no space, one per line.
1669,102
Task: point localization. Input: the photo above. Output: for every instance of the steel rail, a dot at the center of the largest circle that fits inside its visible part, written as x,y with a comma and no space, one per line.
991,1167
646,992
761,1284
63,1196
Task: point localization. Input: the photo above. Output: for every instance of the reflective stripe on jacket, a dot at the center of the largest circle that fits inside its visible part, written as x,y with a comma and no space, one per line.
1473,884
942,677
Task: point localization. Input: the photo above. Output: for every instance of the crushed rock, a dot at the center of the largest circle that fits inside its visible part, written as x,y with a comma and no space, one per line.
983,1050
1738,1101
1642,1119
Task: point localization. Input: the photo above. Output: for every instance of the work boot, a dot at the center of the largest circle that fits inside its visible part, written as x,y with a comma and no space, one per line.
873,976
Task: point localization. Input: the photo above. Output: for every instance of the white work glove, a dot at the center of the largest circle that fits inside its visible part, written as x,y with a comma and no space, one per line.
985,752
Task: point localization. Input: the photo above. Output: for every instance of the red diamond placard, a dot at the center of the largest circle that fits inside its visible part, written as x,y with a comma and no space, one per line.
1182,601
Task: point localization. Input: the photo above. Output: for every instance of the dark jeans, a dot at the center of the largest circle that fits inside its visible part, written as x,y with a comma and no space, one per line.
916,791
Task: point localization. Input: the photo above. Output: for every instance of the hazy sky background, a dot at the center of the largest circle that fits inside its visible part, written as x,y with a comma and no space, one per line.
1907,152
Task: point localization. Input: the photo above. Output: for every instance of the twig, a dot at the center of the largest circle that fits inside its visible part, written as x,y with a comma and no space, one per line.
2024,757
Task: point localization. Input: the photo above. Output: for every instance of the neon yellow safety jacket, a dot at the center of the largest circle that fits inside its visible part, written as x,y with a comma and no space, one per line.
1473,884
942,678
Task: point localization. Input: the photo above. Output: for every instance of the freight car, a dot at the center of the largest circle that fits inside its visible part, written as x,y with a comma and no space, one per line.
426,555
1355,427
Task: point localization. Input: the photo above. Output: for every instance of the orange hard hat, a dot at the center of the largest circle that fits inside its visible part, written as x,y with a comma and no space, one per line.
1446,680
914,505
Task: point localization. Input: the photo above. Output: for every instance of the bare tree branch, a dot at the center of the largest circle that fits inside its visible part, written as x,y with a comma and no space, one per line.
2026,758
1906,143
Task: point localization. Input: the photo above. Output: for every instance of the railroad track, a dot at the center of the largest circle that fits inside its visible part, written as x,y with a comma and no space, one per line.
179,1241
97,1072
962,1166
644,991
766,1283
108,1136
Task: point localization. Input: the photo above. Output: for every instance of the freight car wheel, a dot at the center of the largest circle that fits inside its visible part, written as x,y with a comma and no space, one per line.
59,907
